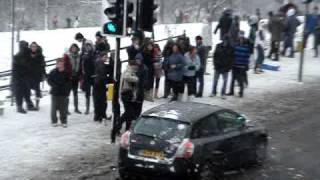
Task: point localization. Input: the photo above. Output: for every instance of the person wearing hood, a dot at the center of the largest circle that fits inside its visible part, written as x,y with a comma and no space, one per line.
276,27
291,24
38,72
223,60
21,77
87,58
192,65
225,23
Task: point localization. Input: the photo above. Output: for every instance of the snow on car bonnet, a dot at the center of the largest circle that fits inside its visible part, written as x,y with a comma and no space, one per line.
171,114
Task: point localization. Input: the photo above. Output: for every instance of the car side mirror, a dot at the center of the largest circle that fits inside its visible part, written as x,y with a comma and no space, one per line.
241,120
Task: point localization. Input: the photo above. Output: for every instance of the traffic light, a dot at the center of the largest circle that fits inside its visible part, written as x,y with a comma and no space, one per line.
146,17
120,18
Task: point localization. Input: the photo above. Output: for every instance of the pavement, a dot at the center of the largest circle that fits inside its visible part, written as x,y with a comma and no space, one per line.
32,149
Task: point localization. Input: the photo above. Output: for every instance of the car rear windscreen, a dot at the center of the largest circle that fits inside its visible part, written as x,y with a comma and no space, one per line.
161,128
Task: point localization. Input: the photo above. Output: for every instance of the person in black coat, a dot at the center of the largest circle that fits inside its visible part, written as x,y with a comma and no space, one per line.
166,53
87,58
60,84
223,60
134,49
38,72
103,77
21,77
102,44
225,23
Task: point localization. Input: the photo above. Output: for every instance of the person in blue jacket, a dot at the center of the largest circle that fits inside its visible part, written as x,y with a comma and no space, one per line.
175,64
242,53
310,26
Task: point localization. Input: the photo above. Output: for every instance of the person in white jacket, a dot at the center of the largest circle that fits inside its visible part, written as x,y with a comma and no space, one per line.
260,46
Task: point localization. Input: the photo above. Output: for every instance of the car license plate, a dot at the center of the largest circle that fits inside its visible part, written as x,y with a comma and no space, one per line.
153,154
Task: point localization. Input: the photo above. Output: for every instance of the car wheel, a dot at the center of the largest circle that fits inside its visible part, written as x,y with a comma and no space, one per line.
261,152
207,172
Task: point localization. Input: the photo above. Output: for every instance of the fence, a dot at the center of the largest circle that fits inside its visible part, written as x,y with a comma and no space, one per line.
52,63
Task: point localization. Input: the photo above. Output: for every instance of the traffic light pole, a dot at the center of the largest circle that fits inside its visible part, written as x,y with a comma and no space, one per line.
115,101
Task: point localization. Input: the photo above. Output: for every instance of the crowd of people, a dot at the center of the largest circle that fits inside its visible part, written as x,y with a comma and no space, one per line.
182,65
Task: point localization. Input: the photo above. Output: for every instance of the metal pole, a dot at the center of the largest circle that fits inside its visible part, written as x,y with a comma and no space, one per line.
137,16
116,90
46,15
304,40
13,14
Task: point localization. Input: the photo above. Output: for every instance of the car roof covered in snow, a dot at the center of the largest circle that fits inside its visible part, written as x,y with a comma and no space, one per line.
189,112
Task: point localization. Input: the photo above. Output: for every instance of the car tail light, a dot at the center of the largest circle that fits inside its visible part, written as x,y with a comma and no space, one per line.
185,149
125,140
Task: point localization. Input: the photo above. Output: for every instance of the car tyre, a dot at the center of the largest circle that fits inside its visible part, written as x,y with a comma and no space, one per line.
261,152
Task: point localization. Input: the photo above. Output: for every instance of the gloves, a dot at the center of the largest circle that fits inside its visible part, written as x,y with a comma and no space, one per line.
191,68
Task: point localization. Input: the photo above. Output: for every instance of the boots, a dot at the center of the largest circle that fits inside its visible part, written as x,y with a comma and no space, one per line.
31,107
147,96
87,105
156,94
21,110
76,109
37,103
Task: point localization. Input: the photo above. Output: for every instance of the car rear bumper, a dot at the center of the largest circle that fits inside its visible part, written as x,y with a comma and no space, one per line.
179,169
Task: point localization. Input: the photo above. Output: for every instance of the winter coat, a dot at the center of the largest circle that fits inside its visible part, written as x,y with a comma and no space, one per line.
75,64
87,58
21,67
242,53
132,52
276,28
260,38
133,80
223,58
291,24
224,25
157,64
101,47
59,82
103,73
175,73
202,55
38,65
311,22
192,65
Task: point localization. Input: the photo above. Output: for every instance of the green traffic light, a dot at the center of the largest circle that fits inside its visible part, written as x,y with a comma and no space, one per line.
111,27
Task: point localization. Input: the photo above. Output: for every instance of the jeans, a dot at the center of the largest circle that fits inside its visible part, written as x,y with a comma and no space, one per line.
260,57
275,50
177,87
238,74
191,83
216,77
288,43
75,86
100,101
59,104
200,80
